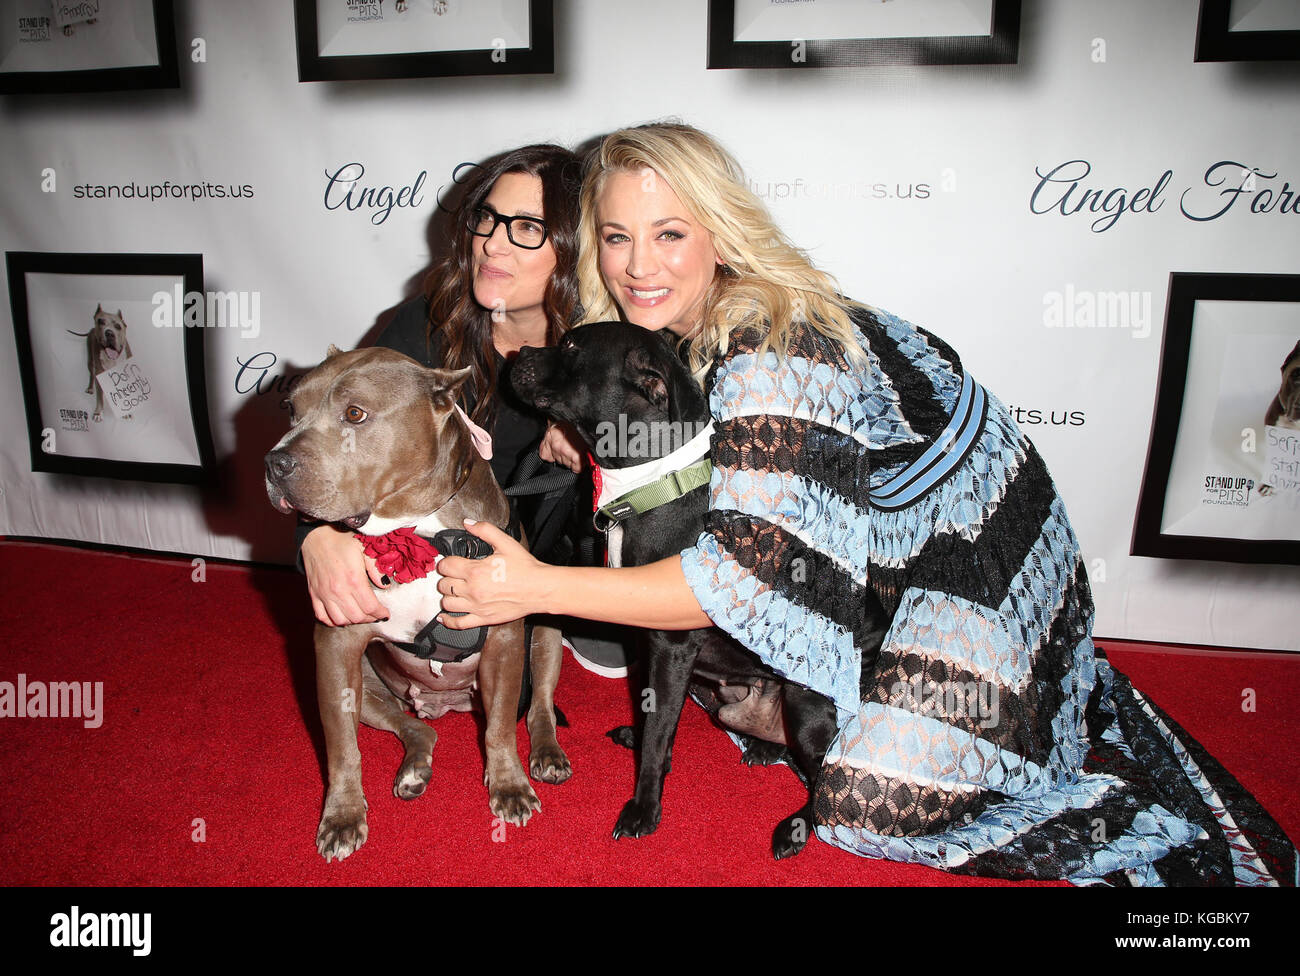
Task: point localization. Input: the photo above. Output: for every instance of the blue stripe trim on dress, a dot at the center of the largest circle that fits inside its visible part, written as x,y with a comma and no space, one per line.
939,461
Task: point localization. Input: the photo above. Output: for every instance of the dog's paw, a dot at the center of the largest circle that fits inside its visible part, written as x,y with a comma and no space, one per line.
791,835
760,752
624,736
412,779
637,820
342,831
514,804
549,764
97,416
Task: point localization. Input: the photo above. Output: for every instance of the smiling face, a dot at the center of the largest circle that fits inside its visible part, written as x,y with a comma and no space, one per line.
510,279
656,259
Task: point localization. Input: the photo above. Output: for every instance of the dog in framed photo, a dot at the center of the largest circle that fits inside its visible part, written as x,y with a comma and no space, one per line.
106,347
1284,411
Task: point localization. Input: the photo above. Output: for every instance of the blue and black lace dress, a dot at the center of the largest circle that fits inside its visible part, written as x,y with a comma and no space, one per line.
985,734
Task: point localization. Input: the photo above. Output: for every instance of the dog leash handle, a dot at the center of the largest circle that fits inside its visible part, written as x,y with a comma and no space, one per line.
459,542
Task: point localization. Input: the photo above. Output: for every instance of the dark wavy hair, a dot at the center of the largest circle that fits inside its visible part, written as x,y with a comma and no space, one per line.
466,326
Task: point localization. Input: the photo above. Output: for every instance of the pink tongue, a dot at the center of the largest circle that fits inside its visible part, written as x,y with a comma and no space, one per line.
112,353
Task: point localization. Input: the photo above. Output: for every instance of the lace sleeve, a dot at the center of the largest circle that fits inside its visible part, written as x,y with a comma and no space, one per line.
781,563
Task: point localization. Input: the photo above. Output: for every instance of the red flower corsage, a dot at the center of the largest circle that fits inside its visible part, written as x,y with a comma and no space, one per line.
401,554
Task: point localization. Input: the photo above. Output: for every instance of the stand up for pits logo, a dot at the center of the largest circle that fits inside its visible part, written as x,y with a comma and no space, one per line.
1227,490
33,29
360,11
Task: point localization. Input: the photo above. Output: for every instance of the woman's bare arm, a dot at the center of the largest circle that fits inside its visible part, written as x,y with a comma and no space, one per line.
512,584
337,571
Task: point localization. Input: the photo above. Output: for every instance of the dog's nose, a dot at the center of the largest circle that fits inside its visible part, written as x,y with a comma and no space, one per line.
279,465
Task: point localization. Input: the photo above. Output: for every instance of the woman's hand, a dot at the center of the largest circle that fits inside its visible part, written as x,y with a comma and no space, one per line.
337,571
511,584
561,445
505,586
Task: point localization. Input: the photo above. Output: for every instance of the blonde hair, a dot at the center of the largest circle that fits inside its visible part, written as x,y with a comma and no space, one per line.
766,281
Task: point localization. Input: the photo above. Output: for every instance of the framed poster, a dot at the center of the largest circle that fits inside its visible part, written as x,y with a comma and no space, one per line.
110,351
1222,476
86,45
834,33
1248,30
340,40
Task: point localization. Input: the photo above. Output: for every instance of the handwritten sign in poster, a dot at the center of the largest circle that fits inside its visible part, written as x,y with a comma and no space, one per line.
126,388
1282,462
74,11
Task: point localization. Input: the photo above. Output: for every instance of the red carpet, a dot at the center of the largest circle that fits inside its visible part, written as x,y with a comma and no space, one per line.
210,728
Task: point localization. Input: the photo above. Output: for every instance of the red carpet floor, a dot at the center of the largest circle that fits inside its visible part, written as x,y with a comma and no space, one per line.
210,731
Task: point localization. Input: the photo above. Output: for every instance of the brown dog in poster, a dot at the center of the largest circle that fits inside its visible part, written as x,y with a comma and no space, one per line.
1284,411
106,346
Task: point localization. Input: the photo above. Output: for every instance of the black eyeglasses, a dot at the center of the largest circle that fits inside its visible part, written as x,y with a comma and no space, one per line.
529,232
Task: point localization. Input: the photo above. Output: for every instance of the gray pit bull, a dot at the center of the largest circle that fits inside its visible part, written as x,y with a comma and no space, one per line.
377,444
106,345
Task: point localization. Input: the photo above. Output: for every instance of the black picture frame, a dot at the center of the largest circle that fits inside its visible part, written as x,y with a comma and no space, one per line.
186,268
536,59
1000,46
164,74
1216,42
1185,290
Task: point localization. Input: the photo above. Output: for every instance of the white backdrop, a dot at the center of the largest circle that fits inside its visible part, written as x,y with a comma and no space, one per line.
913,185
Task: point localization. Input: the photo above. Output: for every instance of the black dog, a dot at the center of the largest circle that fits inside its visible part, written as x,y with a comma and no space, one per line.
624,387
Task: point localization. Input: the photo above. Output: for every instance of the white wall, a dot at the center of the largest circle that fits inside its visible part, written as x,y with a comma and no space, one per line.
970,261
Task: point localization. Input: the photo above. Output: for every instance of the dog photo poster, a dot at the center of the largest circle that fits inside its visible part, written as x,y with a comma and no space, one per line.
76,35
764,20
354,27
1264,15
109,384
1234,476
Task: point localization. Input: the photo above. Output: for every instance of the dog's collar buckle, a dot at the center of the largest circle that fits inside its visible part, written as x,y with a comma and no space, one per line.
670,487
610,515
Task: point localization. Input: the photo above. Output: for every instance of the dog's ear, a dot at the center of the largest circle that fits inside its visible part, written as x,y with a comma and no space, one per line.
649,374
99,308
445,383
1295,354
332,351
665,381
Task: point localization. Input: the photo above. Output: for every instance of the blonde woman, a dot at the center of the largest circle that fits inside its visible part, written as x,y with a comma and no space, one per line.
856,464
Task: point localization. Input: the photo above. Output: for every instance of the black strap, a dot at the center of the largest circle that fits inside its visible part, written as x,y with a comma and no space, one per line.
435,640
553,478
545,491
